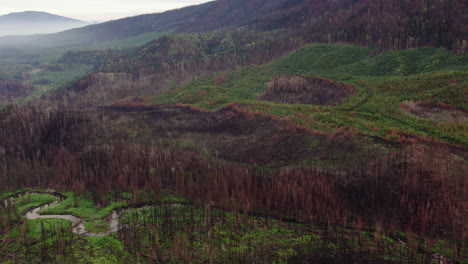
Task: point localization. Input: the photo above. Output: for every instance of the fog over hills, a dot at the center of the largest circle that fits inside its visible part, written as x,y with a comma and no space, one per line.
32,22
440,25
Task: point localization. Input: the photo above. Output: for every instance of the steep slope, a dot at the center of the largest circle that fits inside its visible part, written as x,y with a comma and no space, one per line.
32,22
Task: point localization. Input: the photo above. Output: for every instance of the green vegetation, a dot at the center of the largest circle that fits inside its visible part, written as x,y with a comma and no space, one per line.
83,207
199,231
172,198
341,61
49,80
33,241
97,226
426,74
181,233
51,240
131,42
35,227
107,249
221,143
24,203
4,195
22,80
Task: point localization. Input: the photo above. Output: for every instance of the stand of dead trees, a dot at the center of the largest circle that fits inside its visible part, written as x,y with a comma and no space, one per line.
42,146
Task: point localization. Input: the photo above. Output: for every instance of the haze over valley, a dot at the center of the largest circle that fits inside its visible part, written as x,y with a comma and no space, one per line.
30,22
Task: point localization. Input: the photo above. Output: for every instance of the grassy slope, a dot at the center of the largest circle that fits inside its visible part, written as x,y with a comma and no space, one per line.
383,83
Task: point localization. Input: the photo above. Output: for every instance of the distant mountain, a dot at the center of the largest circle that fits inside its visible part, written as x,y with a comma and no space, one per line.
31,22
382,24
199,18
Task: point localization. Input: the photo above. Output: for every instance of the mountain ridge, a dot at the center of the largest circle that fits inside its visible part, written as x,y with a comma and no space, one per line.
36,22
383,25
35,16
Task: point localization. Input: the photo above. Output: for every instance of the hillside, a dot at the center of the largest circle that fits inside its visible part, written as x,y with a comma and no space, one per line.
404,24
381,24
380,85
31,22
189,19
240,131
218,154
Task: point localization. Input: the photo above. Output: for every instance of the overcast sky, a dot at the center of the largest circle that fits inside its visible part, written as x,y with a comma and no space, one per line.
94,10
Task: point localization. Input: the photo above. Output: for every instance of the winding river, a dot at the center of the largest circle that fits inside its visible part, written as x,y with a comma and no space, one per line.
78,224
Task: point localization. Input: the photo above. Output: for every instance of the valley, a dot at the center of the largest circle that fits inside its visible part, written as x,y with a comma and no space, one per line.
246,131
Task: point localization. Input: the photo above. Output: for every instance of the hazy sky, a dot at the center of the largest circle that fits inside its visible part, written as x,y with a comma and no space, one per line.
94,10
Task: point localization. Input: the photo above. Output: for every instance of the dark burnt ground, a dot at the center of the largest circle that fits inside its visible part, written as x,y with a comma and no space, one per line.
234,134
436,111
229,133
306,90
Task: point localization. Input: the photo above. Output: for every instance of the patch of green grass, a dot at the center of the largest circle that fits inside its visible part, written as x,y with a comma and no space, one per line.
47,80
350,61
33,200
320,58
382,84
51,241
4,195
35,227
83,207
97,226
108,249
